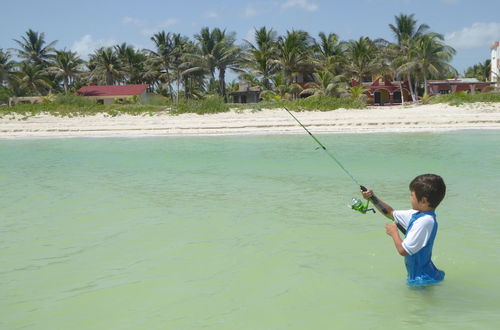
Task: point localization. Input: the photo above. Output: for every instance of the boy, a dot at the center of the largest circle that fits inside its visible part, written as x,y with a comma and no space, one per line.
426,192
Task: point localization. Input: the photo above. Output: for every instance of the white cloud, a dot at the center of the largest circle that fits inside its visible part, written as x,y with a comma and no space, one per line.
133,21
149,32
304,4
148,29
479,35
249,12
169,22
211,14
87,45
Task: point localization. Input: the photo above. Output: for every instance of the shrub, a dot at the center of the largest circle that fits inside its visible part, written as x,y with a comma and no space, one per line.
4,96
464,97
211,104
77,100
426,98
325,103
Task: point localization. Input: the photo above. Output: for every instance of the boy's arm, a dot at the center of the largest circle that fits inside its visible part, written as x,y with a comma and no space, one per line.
369,194
392,230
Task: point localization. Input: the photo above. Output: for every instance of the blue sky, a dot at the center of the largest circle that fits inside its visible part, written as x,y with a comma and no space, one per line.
469,26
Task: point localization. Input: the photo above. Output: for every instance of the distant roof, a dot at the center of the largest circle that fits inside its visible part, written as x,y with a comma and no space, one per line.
455,81
112,90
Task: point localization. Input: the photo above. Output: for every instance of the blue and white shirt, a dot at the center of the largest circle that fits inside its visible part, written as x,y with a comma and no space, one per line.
421,231
418,242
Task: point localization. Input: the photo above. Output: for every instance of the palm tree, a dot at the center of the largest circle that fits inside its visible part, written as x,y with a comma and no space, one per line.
106,66
480,71
406,28
325,84
406,34
261,53
357,92
32,77
430,56
33,48
363,59
293,52
329,52
207,41
132,62
160,61
6,67
193,70
66,66
219,52
280,83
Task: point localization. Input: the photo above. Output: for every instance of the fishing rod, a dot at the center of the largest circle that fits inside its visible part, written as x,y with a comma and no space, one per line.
356,204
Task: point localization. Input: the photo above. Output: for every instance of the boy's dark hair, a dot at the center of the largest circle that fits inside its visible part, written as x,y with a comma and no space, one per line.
430,186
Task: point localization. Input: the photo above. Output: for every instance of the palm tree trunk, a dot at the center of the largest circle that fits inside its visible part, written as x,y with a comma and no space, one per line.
66,85
412,93
402,94
178,89
222,83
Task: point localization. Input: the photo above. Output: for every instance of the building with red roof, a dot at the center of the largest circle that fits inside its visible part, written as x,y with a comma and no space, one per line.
107,94
385,92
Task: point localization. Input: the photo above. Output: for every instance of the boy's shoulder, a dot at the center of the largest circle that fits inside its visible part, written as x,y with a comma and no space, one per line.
404,217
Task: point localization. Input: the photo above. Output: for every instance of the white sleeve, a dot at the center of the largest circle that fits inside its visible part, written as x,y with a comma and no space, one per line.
403,216
419,234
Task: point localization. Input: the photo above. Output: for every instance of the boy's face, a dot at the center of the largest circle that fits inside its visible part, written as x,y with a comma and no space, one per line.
414,201
421,205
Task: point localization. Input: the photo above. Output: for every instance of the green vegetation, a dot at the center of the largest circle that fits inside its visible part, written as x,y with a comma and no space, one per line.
183,68
212,104
464,97
70,110
188,75
72,106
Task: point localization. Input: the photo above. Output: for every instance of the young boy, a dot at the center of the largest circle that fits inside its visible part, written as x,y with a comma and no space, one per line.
426,192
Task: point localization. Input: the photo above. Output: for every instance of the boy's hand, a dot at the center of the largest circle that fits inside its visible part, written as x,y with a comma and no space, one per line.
391,229
367,194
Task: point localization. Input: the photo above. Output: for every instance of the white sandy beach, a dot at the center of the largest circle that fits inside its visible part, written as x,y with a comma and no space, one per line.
422,118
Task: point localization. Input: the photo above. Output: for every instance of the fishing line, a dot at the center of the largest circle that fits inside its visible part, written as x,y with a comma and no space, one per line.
357,205
326,150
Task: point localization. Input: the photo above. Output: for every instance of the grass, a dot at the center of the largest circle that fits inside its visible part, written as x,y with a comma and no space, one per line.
74,106
69,110
321,103
212,104
464,97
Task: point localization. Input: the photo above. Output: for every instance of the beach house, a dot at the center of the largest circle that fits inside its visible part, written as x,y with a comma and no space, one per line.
246,93
385,92
447,86
108,94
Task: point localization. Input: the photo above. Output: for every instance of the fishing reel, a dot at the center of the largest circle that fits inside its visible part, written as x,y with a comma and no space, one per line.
358,205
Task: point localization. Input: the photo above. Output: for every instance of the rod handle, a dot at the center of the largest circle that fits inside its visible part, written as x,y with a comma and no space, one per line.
383,209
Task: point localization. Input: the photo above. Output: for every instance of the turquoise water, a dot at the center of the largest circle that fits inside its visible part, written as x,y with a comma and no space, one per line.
241,233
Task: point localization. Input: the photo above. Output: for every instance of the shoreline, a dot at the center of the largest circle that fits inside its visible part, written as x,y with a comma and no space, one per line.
398,119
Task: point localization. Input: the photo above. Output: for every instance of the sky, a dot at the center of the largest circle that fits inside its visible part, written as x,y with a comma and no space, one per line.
83,26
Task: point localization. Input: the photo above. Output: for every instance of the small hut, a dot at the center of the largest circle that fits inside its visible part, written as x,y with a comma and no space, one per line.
246,93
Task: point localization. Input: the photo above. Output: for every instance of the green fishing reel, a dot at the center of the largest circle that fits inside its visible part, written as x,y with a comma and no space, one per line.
358,205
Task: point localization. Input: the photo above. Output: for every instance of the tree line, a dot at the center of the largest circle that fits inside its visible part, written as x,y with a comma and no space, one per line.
181,67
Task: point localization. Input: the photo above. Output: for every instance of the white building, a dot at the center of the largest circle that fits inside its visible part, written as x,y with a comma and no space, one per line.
495,63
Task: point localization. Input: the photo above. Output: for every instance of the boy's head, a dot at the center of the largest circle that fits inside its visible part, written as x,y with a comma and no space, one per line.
430,186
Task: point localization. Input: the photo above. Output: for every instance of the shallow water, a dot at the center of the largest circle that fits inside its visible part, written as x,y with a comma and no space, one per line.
241,233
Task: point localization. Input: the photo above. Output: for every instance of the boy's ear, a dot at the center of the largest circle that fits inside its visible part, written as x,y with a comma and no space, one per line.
424,200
